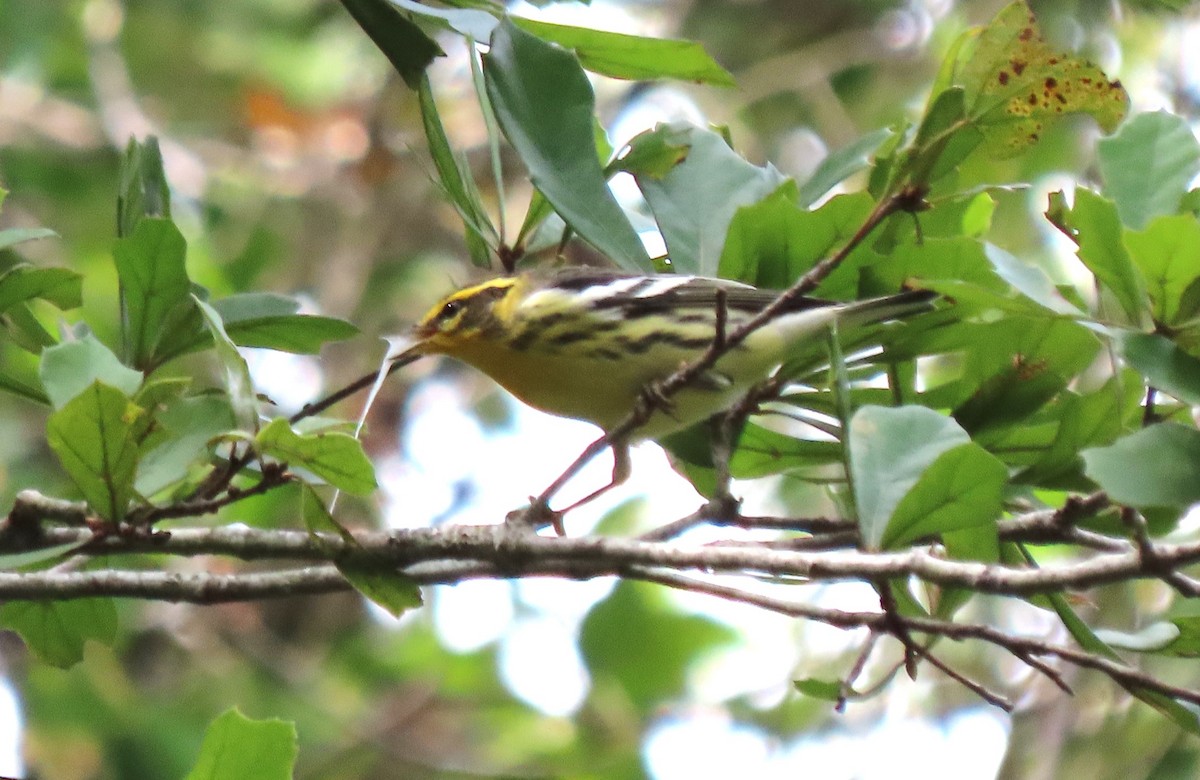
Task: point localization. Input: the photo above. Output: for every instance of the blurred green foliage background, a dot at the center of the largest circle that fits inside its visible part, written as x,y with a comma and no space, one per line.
296,157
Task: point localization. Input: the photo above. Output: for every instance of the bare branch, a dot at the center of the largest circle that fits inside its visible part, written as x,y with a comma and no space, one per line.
30,506
522,553
458,554
167,586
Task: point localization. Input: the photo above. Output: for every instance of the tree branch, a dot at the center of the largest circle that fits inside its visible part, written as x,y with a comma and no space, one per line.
519,554
458,553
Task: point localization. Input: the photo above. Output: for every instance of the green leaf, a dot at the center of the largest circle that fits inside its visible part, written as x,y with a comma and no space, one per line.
155,394
761,246
1097,230
841,165
889,451
944,139
142,189
93,437
1085,421
961,489
67,369
1029,280
631,56
154,281
13,236
773,242
695,201
652,153
187,427
1187,640
1164,365
804,238
264,320
237,374
541,227
1013,367
386,587
469,22
22,389
957,265
1154,638
22,283
762,452
236,747
318,520
26,331
671,642
977,218
889,159
977,543
405,44
826,690
336,457
1184,716
1148,165
545,106
454,174
1015,84
1154,467
22,560
57,631
299,333
255,305
1168,255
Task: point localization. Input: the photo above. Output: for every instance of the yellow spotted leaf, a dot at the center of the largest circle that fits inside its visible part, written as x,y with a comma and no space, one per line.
1016,84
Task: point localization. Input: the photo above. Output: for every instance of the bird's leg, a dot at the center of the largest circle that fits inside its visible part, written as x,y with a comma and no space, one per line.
620,473
539,514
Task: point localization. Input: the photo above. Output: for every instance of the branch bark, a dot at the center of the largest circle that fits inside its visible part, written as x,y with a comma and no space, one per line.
518,554
309,565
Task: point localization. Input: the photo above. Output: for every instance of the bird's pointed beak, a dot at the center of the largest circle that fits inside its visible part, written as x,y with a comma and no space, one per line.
407,348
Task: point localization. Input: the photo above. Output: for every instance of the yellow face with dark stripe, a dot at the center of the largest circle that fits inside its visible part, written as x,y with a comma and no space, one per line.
467,316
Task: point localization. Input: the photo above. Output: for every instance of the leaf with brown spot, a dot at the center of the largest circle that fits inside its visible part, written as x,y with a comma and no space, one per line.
1015,84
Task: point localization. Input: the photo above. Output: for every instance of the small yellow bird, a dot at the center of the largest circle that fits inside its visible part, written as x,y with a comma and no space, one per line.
587,343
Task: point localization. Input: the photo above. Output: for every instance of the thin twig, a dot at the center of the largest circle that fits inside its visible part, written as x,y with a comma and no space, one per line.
896,627
1136,523
221,479
31,507
273,476
362,383
1048,671
979,689
860,663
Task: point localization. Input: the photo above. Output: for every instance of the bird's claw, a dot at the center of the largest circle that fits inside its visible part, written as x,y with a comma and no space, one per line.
651,398
535,517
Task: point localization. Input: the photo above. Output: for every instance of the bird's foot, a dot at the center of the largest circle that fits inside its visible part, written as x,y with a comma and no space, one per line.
535,517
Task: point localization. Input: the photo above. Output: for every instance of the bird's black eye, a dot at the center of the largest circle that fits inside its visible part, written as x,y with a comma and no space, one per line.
449,310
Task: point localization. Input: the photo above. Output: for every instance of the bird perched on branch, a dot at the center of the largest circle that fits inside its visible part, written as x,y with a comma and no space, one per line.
596,345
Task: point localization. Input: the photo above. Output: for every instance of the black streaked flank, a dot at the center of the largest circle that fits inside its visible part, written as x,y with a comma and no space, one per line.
569,337
650,340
